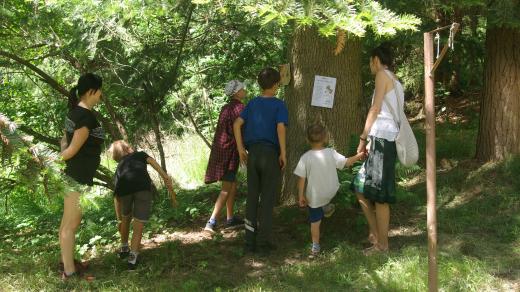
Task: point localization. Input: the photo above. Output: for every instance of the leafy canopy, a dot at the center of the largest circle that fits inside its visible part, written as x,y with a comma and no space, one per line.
353,16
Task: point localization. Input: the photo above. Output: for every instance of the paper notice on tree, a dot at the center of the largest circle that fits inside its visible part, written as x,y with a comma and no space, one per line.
323,92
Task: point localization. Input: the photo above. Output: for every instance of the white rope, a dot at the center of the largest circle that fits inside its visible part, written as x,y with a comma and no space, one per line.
450,39
438,40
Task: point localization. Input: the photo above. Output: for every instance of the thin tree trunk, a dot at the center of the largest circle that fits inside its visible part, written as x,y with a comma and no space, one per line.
312,55
121,133
158,139
499,131
194,123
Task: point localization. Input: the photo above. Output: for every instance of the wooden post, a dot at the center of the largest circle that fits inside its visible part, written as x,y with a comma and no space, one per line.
431,216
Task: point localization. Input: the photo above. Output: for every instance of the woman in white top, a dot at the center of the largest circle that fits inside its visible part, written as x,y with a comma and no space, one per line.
375,184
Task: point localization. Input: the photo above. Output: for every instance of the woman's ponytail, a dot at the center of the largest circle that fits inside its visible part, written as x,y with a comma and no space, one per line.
73,97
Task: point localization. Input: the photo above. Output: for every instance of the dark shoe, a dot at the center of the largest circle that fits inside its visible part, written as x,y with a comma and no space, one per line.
234,222
210,227
123,252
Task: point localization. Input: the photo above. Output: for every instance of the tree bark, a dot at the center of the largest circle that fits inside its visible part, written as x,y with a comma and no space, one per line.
311,55
499,130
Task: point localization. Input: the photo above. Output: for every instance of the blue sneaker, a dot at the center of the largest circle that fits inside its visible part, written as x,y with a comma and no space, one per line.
211,226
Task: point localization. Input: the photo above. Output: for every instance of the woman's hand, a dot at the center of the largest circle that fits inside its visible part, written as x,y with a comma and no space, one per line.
362,147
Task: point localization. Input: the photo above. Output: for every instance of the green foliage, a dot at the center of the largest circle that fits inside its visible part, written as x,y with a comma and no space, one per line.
329,16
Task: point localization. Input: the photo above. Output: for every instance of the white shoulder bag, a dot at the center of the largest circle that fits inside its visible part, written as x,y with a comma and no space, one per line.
406,144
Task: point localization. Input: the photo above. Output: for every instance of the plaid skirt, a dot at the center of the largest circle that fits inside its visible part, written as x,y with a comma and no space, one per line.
376,178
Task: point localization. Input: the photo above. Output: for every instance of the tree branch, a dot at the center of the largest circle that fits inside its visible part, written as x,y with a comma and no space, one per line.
45,77
174,74
192,120
102,173
41,137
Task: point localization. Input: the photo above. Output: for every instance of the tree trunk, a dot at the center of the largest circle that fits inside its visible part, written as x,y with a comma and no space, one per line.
115,119
311,55
499,131
158,139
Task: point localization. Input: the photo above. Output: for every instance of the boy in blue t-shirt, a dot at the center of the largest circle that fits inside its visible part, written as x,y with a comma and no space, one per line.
263,121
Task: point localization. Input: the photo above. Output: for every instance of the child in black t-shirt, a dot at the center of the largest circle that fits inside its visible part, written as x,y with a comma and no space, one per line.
133,195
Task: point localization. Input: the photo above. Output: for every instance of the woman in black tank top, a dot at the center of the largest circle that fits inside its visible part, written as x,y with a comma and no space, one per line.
81,150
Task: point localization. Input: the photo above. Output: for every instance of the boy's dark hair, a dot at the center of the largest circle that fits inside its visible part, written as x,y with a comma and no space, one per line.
316,133
384,54
86,82
268,77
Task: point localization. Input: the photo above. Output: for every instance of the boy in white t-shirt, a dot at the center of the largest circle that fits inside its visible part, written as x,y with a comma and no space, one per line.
318,166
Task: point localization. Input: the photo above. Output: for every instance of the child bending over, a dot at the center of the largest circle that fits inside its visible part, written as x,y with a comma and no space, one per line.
133,195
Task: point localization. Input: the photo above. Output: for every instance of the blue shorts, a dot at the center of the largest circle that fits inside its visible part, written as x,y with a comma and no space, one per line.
315,214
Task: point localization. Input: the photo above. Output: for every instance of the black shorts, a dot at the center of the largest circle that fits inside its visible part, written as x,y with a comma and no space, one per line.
137,205
229,176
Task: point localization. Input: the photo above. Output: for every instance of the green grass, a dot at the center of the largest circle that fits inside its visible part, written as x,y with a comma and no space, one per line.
478,238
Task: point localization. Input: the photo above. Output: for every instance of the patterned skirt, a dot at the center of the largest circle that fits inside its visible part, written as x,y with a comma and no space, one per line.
376,178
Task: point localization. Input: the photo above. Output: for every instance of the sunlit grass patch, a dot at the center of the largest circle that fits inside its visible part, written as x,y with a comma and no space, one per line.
186,160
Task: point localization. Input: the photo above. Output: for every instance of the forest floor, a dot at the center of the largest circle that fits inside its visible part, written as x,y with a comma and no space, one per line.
478,209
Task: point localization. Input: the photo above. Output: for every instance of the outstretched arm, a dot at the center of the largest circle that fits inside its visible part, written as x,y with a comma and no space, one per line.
353,159
167,180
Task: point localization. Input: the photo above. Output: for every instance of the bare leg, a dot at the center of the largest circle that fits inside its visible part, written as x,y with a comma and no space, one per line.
124,229
123,235
315,232
231,200
368,210
137,235
221,200
383,222
69,224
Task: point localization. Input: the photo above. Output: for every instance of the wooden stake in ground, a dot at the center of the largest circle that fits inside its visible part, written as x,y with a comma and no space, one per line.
431,177
431,216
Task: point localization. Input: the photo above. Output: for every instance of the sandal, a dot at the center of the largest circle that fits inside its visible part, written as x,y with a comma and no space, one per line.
374,249
76,275
79,265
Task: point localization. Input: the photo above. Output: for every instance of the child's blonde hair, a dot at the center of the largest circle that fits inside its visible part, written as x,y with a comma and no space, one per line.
316,133
120,149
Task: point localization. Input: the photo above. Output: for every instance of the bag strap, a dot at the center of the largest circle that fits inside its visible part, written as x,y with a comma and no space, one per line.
396,117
